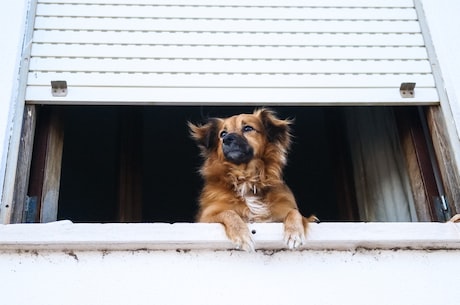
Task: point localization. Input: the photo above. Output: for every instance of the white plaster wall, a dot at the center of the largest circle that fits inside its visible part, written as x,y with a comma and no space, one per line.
12,24
230,277
65,263
444,22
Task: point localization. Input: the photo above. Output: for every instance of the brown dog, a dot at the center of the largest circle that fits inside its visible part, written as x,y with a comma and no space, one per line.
244,156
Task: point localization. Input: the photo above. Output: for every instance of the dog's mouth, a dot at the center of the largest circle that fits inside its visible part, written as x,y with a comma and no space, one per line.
236,149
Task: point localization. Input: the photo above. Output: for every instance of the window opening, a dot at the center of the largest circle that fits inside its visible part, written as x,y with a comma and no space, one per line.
137,163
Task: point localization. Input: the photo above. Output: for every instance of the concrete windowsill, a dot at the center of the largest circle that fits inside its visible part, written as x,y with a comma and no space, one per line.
65,235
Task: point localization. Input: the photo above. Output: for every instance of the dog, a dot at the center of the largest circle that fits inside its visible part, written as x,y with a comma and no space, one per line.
244,156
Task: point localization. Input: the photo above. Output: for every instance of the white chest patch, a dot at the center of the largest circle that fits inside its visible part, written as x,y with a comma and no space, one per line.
258,210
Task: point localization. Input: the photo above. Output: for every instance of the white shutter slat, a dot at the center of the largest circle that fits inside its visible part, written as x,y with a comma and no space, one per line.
228,39
229,66
323,3
162,24
226,12
232,52
232,96
242,52
231,80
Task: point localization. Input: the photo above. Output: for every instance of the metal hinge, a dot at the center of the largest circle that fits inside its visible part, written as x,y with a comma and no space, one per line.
59,88
407,90
442,208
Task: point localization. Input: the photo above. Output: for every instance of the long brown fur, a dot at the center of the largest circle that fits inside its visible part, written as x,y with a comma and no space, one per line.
253,190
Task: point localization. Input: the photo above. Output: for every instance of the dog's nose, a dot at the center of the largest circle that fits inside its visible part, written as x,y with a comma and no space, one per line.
229,139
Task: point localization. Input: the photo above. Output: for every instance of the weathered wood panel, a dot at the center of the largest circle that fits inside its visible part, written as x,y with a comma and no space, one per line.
52,169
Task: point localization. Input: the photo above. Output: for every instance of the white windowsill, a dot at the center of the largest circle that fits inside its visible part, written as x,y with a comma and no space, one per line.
64,235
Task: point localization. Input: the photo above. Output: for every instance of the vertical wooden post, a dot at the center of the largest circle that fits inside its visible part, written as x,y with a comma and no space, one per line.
24,163
52,168
445,155
413,145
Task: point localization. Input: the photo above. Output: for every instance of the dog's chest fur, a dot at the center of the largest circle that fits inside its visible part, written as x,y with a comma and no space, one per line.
258,209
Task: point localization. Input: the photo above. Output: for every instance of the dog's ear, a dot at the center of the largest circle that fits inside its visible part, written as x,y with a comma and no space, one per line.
278,131
205,135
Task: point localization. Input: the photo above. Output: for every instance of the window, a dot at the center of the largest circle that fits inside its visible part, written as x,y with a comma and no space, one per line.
130,75
137,163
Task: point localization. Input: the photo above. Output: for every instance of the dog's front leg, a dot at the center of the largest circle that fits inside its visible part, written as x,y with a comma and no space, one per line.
284,209
295,228
235,228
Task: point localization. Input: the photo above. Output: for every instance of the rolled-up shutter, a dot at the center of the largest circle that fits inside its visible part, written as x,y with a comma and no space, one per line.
205,52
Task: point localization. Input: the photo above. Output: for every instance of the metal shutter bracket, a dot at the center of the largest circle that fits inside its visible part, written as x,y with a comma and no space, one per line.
407,90
59,88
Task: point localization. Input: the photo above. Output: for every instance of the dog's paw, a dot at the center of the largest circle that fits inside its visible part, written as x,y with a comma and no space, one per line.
294,238
240,236
294,230
244,242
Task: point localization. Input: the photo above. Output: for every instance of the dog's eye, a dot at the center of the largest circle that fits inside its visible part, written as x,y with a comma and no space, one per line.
223,133
248,128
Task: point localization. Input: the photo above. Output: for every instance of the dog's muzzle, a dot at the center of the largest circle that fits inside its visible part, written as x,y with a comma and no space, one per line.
236,149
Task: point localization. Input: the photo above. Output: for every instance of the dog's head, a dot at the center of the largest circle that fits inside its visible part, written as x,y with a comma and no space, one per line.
242,138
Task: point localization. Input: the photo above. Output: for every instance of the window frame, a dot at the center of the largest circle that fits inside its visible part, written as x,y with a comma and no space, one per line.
439,121
46,183
67,236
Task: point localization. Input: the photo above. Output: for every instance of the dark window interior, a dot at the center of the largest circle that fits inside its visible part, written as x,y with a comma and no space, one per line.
168,159
138,163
